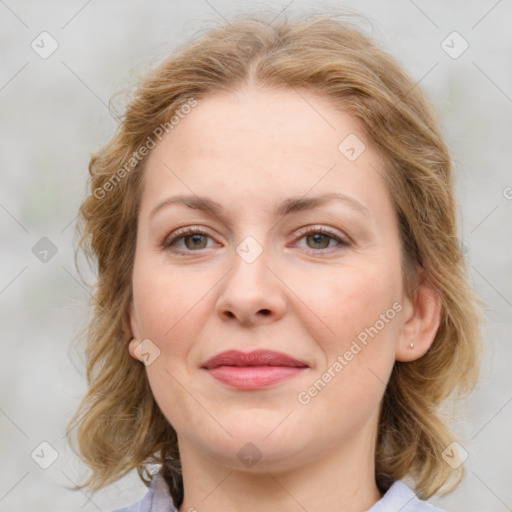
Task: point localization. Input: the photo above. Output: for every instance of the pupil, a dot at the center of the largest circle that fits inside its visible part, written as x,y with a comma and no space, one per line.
196,239
317,239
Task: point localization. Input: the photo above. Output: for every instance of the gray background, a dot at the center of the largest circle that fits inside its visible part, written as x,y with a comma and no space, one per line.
53,114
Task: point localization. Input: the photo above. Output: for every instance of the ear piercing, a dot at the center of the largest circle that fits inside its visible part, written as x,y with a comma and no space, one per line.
411,345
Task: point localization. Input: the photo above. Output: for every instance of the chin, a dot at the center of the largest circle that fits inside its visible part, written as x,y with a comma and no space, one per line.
260,441
255,456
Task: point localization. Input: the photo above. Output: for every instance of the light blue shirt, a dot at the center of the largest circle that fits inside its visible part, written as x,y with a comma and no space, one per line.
399,498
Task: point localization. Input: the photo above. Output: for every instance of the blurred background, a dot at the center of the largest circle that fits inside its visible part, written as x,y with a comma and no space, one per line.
60,64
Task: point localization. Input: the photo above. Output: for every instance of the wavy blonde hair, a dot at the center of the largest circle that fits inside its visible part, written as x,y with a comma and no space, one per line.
118,424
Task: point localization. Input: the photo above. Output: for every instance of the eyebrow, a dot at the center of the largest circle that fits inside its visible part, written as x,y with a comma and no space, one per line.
288,206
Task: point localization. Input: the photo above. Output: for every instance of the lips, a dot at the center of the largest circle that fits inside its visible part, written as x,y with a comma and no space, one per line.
255,358
253,370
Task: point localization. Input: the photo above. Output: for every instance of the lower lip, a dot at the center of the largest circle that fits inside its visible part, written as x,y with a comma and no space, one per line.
253,377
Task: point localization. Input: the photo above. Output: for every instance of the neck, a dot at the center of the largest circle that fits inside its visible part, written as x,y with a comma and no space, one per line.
342,480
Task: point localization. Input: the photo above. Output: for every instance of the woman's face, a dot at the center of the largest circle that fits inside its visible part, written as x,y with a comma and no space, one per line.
300,256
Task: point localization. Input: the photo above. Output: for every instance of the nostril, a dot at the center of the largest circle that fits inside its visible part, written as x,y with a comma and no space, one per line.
265,312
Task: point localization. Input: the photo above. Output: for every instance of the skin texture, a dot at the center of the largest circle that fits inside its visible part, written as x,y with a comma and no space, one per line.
306,296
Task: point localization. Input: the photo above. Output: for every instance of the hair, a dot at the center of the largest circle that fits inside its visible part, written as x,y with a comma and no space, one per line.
119,426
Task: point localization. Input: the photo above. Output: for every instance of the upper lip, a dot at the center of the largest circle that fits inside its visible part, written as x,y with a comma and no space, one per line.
254,358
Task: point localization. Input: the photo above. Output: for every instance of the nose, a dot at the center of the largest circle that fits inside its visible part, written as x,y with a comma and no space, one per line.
252,292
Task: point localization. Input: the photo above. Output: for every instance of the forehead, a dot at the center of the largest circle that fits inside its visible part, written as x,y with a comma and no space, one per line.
293,122
265,143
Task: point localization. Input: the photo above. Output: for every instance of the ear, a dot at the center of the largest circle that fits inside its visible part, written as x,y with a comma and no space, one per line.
136,340
421,322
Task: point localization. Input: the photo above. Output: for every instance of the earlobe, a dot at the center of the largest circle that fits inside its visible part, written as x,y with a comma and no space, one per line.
421,324
132,345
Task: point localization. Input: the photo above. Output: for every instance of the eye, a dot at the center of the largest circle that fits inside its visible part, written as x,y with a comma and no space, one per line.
319,237
193,239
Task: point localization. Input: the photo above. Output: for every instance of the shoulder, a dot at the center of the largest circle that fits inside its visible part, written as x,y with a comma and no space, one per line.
401,497
157,499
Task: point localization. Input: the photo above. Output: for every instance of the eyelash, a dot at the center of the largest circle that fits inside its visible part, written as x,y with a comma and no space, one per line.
184,232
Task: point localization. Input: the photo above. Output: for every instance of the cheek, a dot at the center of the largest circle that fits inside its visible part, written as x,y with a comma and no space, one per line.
165,299
361,307
351,300
363,310
171,306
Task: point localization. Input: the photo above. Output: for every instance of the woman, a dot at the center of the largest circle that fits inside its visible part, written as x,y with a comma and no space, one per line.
281,305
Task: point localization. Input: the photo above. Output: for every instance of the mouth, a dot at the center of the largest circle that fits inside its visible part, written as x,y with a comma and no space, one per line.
253,370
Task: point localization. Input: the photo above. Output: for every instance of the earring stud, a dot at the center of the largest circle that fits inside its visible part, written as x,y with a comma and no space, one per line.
411,345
